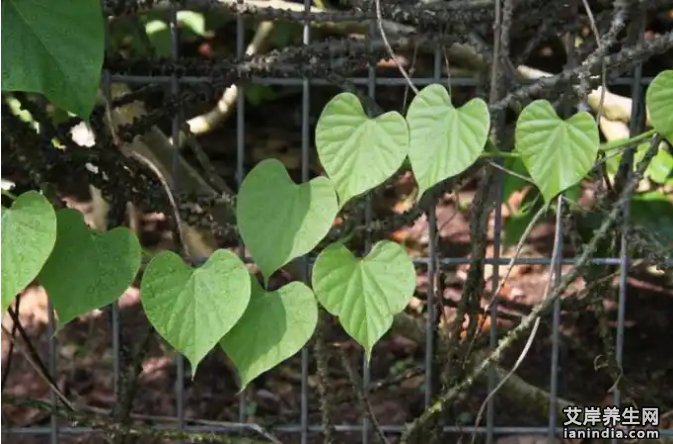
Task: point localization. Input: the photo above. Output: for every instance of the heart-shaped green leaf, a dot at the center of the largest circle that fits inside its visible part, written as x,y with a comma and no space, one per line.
28,236
557,153
54,48
660,103
280,220
359,153
275,326
193,308
444,141
364,293
88,269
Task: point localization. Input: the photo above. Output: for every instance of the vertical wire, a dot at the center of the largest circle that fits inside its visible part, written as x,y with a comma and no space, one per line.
366,373
635,127
495,283
493,95
116,342
175,141
114,306
430,322
305,162
53,350
556,265
240,158
556,320
493,310
115,315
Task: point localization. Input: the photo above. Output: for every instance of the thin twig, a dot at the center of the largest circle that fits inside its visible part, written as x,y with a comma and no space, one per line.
601,102
511,172
510,267
379,22
10,351
322,366
148,433
599,43
448,70
171,199
361,394
209,169
172,419
34,359
497,40
412,69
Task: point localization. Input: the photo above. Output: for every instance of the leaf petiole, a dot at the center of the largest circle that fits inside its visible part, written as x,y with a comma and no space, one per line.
498,153
615,144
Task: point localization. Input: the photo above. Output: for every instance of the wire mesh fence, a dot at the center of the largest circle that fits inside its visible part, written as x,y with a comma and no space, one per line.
302,429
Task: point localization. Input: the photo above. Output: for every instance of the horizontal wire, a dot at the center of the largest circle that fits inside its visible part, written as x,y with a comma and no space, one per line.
448,261
342,428
298,81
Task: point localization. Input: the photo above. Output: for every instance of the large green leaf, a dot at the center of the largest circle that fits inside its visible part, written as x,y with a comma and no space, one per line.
359,153
557,153
54,48
275,326
660,103
193,308
365,293
88,269
444,141
28,236
280,220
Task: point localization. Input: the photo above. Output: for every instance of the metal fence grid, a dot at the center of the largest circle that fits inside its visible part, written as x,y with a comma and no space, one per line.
303,429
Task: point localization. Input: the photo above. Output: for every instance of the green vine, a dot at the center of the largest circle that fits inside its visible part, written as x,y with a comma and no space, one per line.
280,221
221,303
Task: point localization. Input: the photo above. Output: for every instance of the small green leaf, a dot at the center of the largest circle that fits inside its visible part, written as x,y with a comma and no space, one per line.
660,103
359,153
275,326
660,169
280,220
557,153
653,211
444,141
193,308
365,293
516,224
28,236
257,94
54,48
194,21
190,23
88,269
